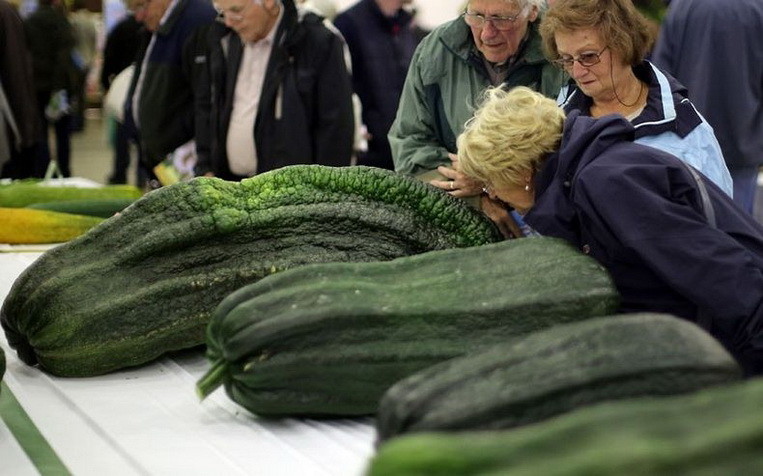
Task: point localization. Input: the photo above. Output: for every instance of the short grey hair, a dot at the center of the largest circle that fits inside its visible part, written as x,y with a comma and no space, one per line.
539,4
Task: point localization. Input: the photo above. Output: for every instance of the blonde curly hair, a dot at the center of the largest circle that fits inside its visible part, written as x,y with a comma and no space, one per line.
509,136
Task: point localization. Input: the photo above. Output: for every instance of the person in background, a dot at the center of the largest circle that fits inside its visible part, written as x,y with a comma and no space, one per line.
159,104
51,40
83,55
654,12
120,51
714,48
382,36
20,125
672,241
277,91
493,42
602,44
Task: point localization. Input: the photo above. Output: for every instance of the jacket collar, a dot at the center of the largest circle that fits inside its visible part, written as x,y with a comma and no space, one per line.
665,99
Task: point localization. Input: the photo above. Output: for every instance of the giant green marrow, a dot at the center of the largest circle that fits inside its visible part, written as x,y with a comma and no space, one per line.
103,208
556,370
329,339
2,364
145,282
23,193
717,431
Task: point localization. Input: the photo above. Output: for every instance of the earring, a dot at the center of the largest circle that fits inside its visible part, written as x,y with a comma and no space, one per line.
527,187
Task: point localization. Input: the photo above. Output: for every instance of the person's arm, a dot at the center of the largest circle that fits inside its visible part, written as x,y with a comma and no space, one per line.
107,67
653,215
412,137
335,126
196,68
63,41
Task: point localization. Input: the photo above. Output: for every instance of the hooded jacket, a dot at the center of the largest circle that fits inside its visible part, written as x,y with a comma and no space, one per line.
669,122
637,210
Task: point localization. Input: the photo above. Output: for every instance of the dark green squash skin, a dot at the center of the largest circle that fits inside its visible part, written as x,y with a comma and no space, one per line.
330,339
145,282
716,431
556,370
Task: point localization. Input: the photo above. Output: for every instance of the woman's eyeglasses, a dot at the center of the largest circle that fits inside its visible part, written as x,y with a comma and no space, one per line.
587,59
478,20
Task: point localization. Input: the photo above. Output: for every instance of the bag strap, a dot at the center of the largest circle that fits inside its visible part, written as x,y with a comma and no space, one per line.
707,206
703,318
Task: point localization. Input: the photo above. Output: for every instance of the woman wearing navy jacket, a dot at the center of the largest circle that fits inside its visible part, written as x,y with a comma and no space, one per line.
638,210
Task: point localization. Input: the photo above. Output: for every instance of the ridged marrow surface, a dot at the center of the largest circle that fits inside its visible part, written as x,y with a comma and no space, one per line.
716,431
330,339
145,282
556,370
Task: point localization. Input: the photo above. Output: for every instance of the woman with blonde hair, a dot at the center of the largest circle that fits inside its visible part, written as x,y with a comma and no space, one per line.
671,239
602,45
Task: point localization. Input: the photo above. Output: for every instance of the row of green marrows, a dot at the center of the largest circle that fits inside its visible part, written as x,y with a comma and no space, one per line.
34,211
328,292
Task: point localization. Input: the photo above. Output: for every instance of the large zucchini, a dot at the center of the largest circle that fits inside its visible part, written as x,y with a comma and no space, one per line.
26,192
103,208
145,282
556,370
2,364
717,431
25,225
330,339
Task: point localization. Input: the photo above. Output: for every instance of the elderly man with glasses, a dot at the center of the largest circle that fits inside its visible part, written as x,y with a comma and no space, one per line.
493,42
277,91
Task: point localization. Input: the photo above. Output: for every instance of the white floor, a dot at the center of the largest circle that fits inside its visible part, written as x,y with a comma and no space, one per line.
92,157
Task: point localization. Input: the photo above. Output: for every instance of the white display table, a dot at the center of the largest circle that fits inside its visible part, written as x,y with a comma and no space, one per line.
148,421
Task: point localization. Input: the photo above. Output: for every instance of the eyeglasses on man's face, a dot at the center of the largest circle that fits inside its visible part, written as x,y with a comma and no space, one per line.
478,20
587,59
234,13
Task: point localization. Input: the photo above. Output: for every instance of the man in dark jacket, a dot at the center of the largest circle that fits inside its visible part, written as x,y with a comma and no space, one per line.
382,37
714,49
17,161
159,105
277,92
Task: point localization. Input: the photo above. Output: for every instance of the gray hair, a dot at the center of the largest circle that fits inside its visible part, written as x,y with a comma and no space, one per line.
539,4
